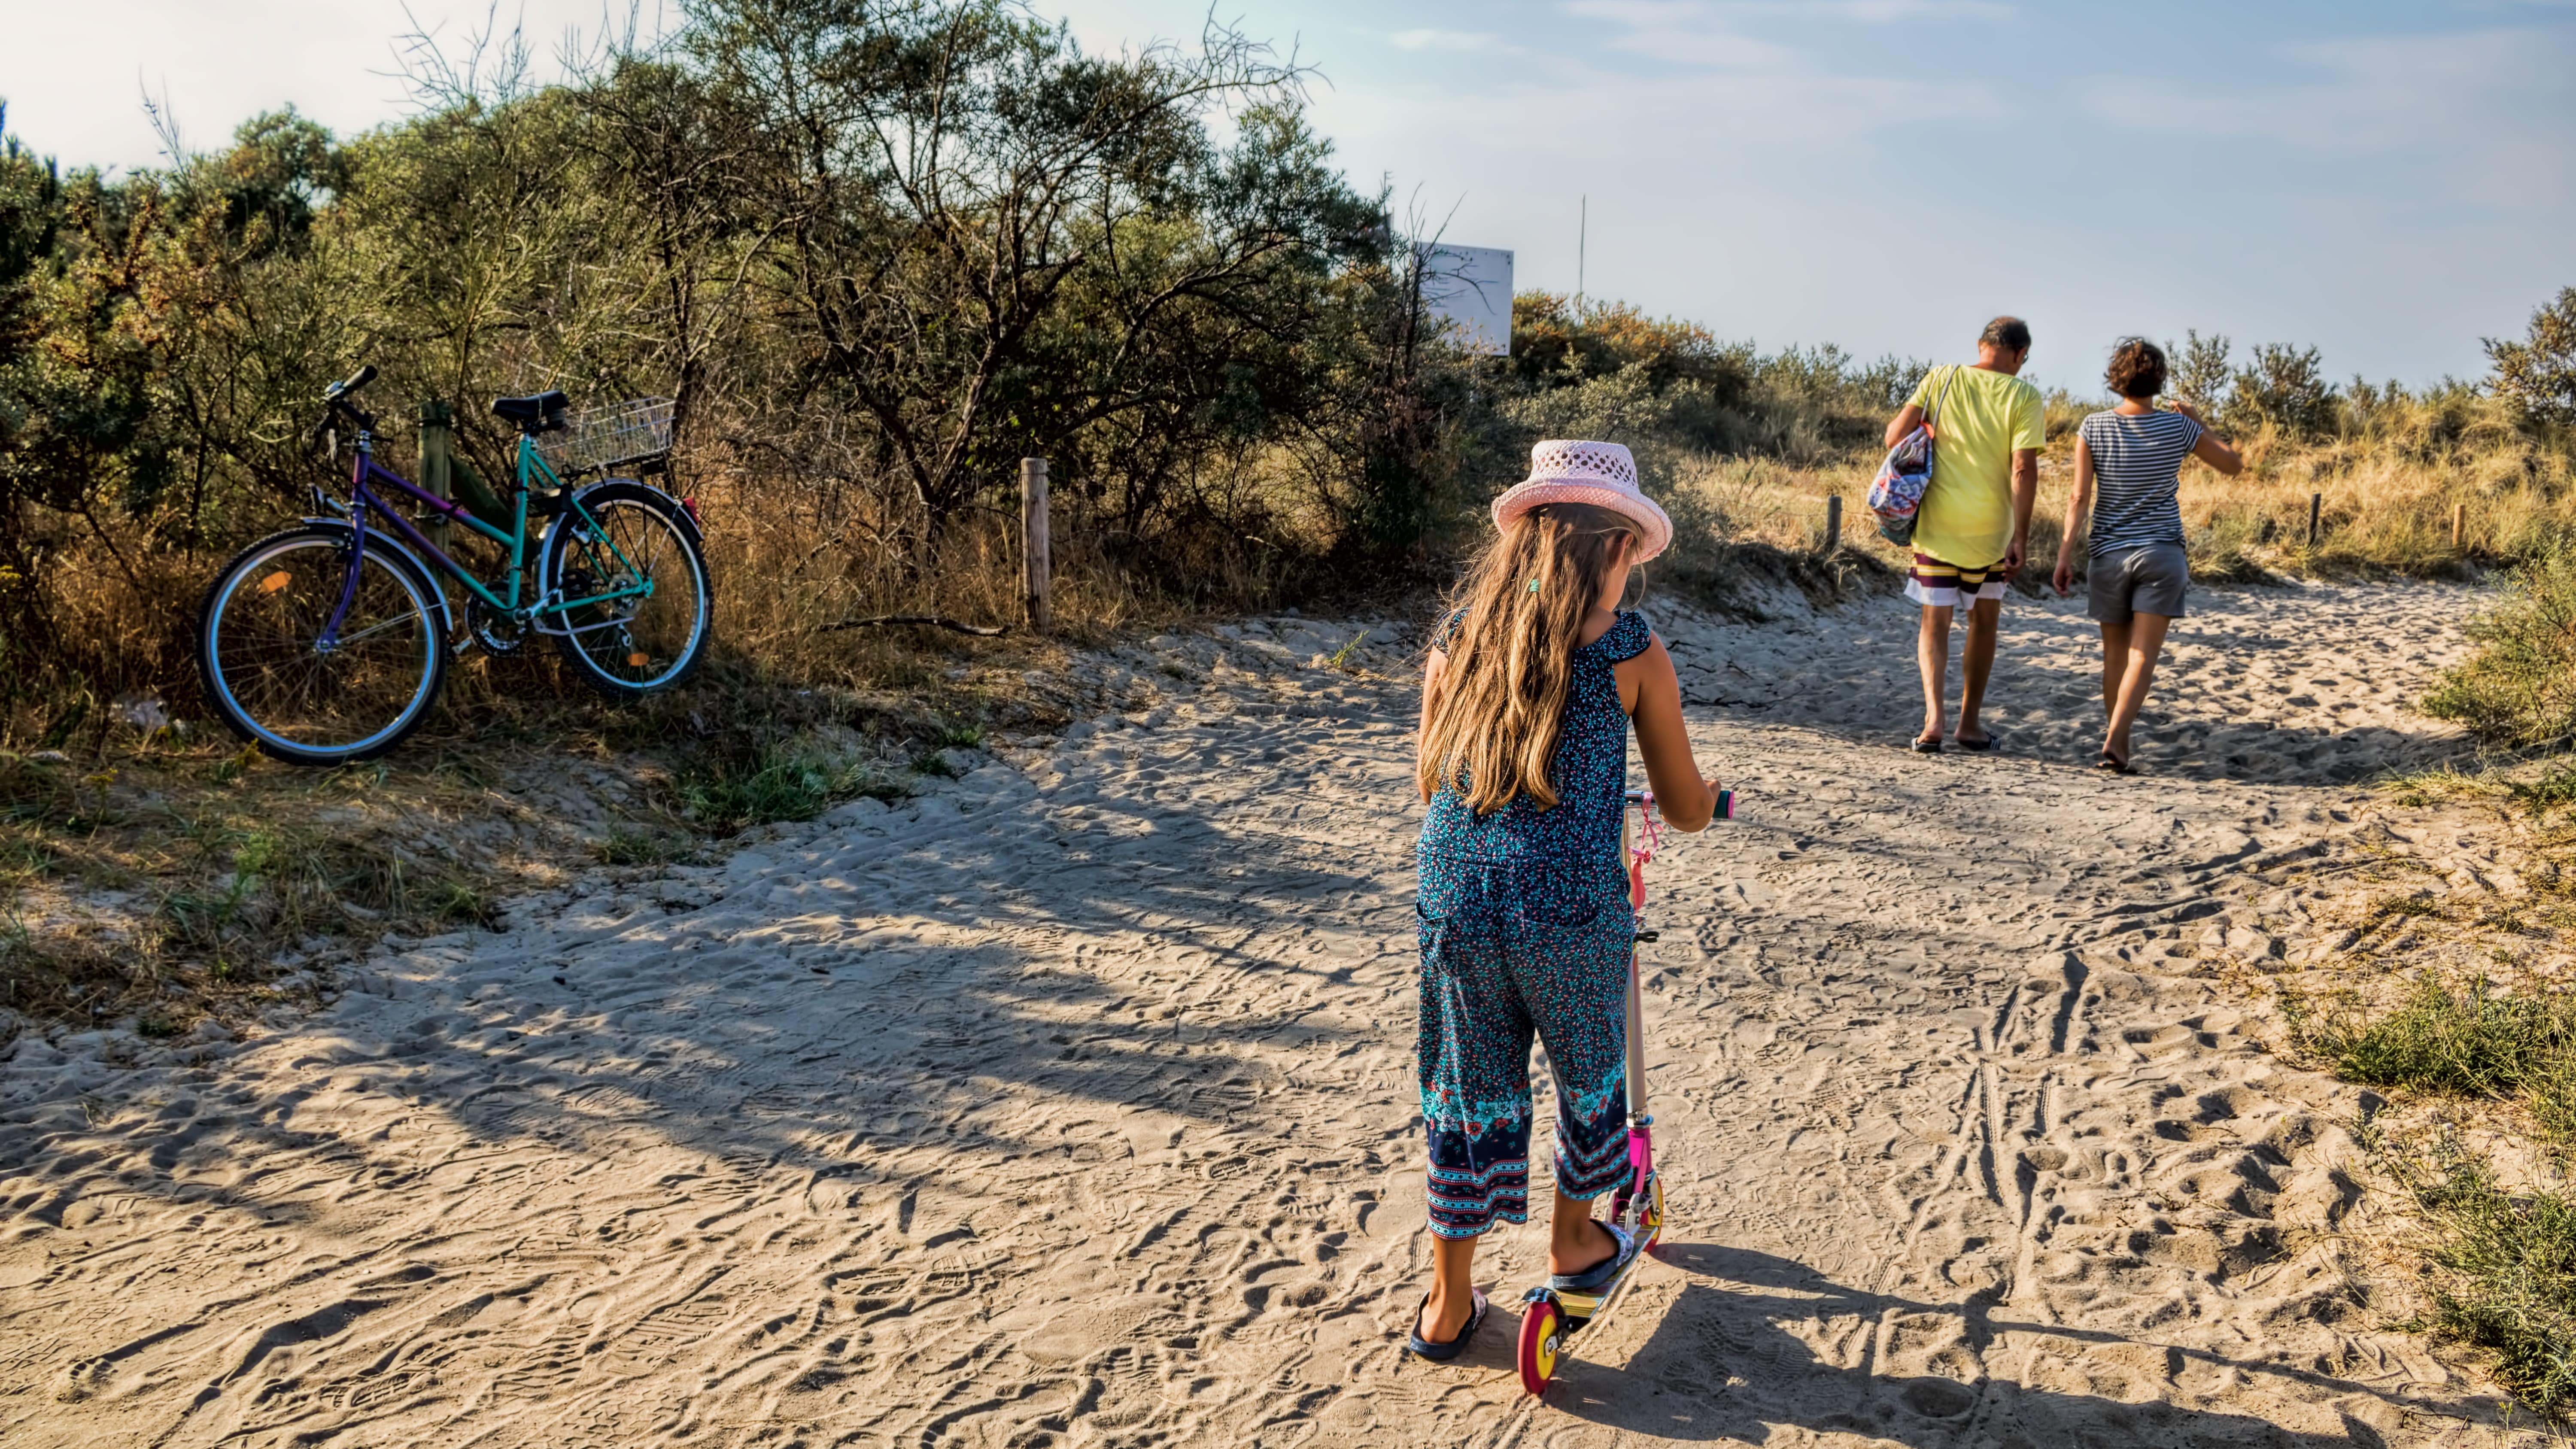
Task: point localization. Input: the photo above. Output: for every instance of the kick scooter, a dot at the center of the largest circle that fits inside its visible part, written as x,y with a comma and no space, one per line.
1553,1315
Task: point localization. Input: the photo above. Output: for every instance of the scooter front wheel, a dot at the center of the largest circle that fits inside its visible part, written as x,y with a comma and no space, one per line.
1650,1213
1542,1334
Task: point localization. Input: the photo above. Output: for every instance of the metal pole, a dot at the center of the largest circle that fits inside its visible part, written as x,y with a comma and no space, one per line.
1582,244
1635,1005
1833,523
2316,506
1038,567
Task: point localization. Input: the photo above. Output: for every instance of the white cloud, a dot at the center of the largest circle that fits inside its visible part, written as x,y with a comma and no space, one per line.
1885,12
1679,32
1447,40
2482,115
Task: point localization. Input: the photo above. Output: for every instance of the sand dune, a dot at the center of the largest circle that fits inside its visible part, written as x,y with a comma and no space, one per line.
1073,1105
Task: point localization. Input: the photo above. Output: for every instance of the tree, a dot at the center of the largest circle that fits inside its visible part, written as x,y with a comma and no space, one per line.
2199,374
2285,387
2539,373
995,245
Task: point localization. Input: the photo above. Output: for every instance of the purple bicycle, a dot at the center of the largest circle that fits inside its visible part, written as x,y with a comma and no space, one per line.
328,642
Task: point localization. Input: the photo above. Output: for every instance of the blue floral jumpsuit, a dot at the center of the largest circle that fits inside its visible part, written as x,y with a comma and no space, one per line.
1526,931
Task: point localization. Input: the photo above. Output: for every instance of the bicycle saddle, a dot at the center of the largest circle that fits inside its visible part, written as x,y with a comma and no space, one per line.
542,411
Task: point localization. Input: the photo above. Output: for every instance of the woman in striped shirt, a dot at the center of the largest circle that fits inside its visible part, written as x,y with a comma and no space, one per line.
2135,570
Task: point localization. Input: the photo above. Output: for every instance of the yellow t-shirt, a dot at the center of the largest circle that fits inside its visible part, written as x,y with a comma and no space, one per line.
1966,518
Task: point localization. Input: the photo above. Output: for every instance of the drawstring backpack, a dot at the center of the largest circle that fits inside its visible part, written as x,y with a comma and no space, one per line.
1896,494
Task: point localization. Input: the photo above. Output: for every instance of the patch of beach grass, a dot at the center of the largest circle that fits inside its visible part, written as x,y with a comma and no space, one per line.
2502,1259
2464,1039
630,845
2519,689
779,782
2503,1267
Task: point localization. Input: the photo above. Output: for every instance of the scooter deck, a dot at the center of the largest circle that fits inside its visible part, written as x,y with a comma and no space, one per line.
1582,1308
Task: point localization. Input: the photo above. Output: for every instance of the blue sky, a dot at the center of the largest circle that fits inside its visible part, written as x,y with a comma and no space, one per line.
2389,182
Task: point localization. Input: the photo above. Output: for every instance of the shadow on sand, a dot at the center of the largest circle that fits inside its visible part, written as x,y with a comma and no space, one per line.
1722,1366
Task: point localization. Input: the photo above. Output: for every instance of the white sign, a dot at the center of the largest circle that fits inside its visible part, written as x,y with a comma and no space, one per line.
1470,288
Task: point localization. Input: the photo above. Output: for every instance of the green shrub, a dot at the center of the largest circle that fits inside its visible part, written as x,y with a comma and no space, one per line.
2539,372
2520,687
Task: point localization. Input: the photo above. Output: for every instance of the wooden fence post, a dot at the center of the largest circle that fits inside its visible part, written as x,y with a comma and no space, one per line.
436,418
1038,569
1833,523
2459,526
2316,506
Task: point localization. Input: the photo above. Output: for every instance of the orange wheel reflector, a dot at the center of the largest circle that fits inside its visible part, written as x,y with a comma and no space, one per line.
638,661
274,582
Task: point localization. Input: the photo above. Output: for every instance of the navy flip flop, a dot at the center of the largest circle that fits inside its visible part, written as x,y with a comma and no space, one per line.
1976,747
1443,1352
1602,1274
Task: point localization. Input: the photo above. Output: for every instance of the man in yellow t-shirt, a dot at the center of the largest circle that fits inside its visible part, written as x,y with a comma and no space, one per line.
1974,525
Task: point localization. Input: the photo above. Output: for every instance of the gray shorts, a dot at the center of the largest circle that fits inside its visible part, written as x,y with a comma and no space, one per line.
2146,580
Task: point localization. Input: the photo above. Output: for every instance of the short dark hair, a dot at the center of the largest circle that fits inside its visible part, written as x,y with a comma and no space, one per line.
2009,333
2137,368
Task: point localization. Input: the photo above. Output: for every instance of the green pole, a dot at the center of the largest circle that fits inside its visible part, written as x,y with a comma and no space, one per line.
437,420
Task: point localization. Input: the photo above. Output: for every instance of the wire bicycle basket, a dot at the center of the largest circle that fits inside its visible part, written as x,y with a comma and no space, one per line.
613,435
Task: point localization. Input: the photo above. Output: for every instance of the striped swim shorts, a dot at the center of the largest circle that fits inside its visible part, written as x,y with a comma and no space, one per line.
1947,585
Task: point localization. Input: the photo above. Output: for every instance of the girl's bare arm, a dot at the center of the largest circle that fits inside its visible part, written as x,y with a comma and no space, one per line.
1653,694
1431,673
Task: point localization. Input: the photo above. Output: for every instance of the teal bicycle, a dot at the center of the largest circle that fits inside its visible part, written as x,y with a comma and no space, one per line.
328,642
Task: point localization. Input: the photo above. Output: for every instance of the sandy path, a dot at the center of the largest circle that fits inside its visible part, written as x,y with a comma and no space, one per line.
1074,1106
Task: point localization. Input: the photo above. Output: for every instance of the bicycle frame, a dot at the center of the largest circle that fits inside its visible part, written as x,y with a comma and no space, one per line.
366,469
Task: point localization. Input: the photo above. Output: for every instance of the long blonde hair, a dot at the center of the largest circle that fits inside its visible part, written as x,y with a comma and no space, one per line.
1492,733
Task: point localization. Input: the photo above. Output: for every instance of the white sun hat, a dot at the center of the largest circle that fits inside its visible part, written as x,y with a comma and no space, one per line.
1601,474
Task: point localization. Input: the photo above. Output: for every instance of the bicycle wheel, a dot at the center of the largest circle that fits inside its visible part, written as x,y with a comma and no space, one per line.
260,657
636,538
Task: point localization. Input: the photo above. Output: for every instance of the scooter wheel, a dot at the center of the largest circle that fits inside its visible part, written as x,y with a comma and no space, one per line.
1650,1213
1542,1332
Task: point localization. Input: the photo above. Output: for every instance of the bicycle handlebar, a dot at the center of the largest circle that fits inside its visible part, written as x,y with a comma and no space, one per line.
1725,802
336,403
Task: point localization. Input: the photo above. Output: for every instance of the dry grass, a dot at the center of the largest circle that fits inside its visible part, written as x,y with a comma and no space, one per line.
175,882
156,875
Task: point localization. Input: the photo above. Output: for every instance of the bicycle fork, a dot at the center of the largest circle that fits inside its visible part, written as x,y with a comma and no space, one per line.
330,636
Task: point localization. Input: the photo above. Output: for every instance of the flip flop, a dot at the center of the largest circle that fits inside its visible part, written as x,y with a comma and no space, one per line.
1930,746
1602,1274
1439,1352
1977,747
2112,763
